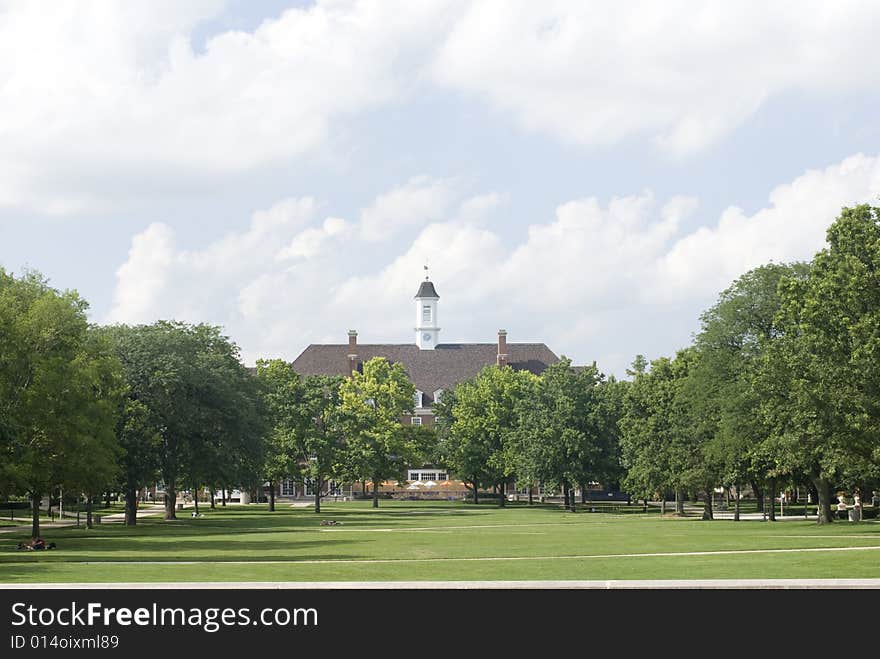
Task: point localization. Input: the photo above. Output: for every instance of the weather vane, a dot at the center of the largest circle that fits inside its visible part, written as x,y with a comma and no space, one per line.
426,272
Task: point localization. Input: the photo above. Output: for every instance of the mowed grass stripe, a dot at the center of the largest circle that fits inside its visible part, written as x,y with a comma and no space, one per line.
485,558
452,541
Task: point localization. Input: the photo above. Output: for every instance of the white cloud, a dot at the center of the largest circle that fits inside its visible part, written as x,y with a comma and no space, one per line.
95,90
422,199
160,280
143,279
791,228
311,241
103,101
683,74
593,281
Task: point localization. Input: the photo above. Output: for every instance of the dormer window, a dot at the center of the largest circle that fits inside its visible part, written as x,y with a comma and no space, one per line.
437,396
418,398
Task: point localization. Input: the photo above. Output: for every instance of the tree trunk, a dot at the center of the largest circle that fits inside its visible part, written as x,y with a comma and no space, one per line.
318,495
583,492
736,504
771,495
375,491
131,503
530,495
88,511
823,493
107,499
223,496
662,504
476,495
707,504
573,502
364,488
36,498
196,500
213,503
759,495
271,496
501,497
170,500
679,503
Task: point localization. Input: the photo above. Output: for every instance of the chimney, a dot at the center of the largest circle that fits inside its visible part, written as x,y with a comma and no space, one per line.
352,351
502,348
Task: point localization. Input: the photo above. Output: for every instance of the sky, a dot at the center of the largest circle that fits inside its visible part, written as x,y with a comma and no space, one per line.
590,175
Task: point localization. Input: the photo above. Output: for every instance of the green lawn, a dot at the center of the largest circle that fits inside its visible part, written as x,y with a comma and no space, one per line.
440,541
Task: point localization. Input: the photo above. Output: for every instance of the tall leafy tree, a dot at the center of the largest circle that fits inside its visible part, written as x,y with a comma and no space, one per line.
820,378
477,441
139,464
664,443
735,332
59,392
560,430
199,396
308,436
373,403
647,431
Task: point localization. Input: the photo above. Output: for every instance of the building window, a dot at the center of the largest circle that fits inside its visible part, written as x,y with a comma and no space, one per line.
437,396
418,398
288,488
413,476
428,476
442,477
416,421
426,313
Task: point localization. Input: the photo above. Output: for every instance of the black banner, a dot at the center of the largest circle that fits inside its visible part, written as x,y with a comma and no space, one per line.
425,622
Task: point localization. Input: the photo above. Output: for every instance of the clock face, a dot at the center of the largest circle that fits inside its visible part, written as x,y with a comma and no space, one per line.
426,337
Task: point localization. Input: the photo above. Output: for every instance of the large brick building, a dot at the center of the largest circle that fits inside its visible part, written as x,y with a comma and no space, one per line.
431,365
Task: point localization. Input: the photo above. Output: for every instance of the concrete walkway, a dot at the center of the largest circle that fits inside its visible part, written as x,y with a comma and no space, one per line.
678,584
69,519
150,511
43,525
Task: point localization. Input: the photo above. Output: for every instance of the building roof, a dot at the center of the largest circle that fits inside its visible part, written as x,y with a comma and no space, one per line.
427,290
429,370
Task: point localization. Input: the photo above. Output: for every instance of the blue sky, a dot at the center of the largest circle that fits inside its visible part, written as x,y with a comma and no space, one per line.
583,174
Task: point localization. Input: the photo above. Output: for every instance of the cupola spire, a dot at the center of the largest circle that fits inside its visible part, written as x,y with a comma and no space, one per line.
427,330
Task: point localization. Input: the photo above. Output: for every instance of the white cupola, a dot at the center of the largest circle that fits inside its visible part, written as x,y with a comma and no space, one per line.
427,330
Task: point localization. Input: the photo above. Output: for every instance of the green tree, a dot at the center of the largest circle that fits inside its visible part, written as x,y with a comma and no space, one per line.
820,377
59,392
308,436
479,421
373,403
664,443
735,332
561,433
201,400
139,463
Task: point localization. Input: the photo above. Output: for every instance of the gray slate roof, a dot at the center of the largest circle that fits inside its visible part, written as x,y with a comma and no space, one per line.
441,368
427,290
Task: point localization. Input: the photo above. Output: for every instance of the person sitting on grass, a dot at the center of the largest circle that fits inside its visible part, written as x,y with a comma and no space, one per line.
37,544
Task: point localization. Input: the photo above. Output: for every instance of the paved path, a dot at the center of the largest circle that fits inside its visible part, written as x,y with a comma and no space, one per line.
141,512
679,584
70,520
43,525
